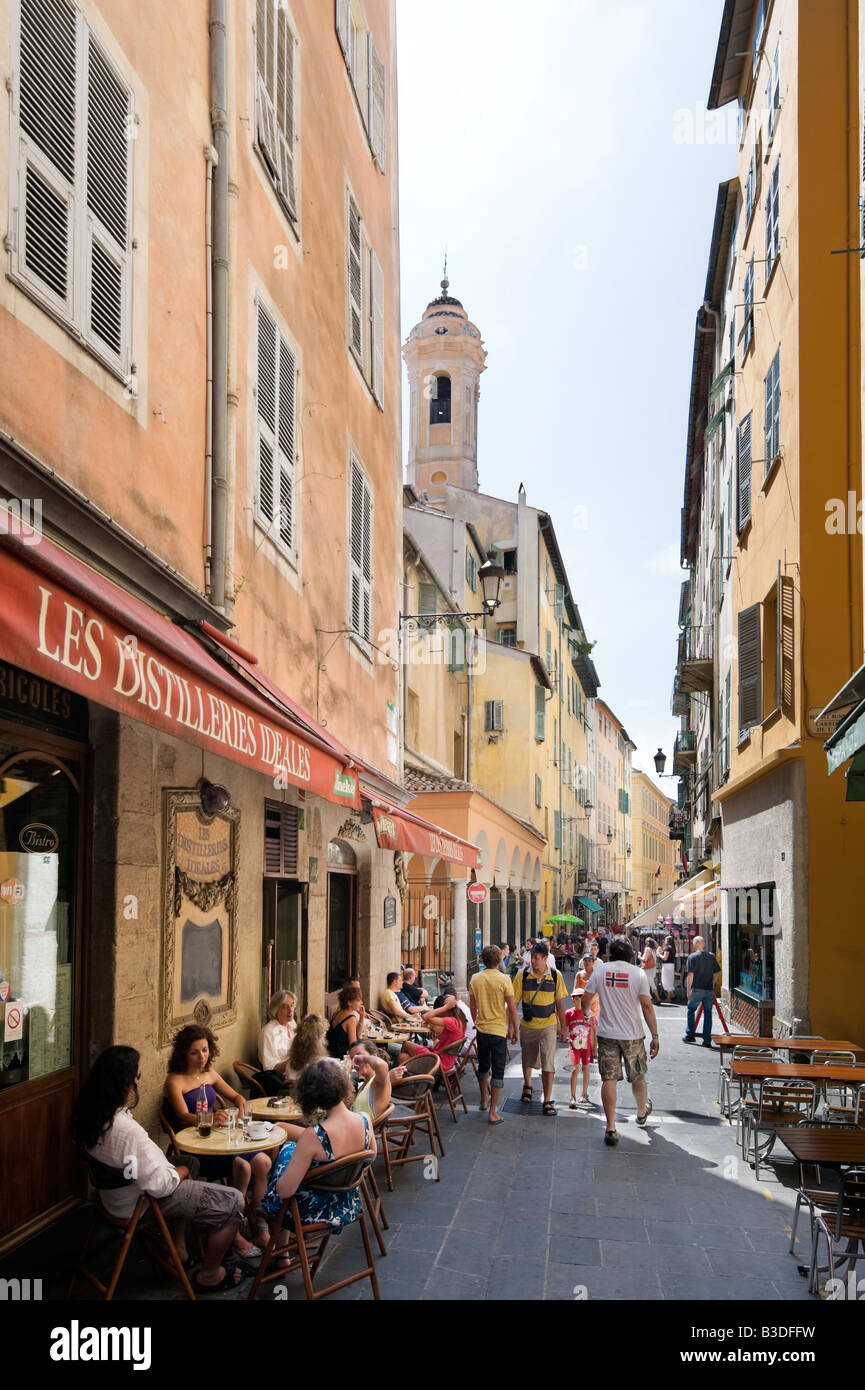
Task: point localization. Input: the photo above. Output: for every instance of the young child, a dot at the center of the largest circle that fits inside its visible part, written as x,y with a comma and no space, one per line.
581,1043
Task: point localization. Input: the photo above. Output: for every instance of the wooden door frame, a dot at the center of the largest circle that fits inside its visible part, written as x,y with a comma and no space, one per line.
351,873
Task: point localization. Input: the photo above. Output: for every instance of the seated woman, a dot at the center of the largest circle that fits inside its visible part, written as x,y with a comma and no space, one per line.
374,1096
322,1085
103,1125
447,1028
190,1067
308,1046
274,1041
452,1006
345,1022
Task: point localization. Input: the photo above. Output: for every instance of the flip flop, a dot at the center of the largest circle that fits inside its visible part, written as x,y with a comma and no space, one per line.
228,1280
498,1121
611,1137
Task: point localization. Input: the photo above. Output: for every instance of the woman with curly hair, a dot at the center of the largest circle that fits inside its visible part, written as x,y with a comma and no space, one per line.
308,1045
322,1085
190,1067
103,1125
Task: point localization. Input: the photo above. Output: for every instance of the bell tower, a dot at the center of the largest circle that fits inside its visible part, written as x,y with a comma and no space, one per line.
445,357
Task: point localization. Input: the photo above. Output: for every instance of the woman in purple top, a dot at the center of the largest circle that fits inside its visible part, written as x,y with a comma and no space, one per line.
189,1068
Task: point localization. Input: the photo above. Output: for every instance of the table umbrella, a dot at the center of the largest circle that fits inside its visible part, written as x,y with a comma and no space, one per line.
567,919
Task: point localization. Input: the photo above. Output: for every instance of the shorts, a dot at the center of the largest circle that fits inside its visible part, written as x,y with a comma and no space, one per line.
539,1047
206,1203
581,1057
613,1051
492,1057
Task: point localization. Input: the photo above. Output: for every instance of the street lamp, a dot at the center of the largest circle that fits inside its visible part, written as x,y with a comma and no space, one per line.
490,575
660,762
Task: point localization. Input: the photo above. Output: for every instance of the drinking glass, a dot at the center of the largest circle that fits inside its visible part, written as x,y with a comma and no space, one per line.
205,1123
232,1113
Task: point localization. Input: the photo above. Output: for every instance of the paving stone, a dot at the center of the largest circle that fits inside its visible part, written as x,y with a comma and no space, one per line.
691,1233
621,1254
619,1227
735,1263
515,1277
462,1251
710,1289
529,1238
574,1250
417,1236
447,1285
601,1283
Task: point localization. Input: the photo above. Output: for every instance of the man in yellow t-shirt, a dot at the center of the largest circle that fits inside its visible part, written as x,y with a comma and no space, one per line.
542,994
495,1014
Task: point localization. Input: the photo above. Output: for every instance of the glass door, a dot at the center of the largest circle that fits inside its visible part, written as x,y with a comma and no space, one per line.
284,940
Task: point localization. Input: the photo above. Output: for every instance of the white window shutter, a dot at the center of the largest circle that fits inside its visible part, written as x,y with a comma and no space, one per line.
360,554
268,489
107,183
377,123
286,433
377,327
265,63
355,282
343,25
285,83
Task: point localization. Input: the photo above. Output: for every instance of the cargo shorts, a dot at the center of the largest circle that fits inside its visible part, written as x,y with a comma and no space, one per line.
613,1051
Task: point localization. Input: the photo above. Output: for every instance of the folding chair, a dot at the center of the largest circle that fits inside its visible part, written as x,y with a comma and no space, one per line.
778,1104
307,1243
107,1179
452,1078
247,1072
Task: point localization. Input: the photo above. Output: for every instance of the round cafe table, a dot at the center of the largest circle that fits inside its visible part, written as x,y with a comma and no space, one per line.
217,1144
260,1109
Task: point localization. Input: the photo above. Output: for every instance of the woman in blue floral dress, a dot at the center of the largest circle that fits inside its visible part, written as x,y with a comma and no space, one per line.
323,1086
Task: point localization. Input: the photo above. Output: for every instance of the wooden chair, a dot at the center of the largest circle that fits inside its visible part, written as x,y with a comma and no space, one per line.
413,1111
306,1244
246,1072
452,1079
425,1063
778,1104
107,1179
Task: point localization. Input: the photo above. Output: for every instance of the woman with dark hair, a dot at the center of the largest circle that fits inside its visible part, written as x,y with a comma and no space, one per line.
649,962
322,1085
344,1028
449,1005
102,1124
667,957
189,1069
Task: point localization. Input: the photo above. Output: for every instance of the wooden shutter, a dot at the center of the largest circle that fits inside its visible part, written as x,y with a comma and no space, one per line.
280,840
785,664
743,467
427,597
361,554
343,24
355,282
285,133
109,118
376,321
750,667
540,713
265,65
277,404
377,125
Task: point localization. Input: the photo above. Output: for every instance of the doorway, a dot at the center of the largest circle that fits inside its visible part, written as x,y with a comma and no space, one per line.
284,940
341,914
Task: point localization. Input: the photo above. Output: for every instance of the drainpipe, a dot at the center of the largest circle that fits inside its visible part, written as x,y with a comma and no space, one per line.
219,303
210,160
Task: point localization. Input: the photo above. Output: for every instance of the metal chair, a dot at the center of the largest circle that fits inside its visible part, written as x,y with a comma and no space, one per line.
848,1224
730,1105
306,1244
778,1104
107,1179
247,1074
840,1108
811,1196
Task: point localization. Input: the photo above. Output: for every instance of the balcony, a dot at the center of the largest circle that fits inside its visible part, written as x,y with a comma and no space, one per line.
681,701
678,825
696,664
684,752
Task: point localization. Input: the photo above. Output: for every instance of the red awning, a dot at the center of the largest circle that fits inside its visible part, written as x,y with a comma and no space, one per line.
396,828
62,620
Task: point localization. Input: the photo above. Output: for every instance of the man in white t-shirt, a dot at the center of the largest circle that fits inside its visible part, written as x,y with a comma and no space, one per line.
623,993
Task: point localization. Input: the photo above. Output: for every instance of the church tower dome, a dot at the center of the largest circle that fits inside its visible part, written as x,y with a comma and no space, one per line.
445,357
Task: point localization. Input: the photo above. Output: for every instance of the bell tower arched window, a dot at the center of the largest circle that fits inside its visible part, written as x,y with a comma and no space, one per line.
440,401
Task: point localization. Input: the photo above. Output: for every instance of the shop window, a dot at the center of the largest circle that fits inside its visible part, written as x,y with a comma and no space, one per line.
752,940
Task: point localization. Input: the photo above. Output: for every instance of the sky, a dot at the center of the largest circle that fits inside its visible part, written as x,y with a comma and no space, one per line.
569,167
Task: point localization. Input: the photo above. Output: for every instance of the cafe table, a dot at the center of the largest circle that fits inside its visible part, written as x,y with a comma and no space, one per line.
832,1147
219,1145
727,1042
261,1109
760,1068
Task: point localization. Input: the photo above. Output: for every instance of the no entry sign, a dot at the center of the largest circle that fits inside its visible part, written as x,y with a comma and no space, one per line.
477,893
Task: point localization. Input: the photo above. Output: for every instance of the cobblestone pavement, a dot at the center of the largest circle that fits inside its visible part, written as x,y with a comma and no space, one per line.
539,1208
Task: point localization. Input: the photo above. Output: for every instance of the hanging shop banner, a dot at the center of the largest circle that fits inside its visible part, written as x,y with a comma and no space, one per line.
100,642
395,831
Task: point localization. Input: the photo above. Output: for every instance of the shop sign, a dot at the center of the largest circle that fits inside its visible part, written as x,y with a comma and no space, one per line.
14,1028
824,727
5,991
165,679
12,891
39,839
390,911
399,833
40,702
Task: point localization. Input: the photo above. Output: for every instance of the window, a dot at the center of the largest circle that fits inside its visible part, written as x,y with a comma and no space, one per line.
440,400
743,469
549,651
455,645
750,188
538,791
773,221
427,596
365,302
72,162
750,668
759,24
557,830
493,716
772,427
471,572
748,320
276,404
509,561
773,92
367,72
360,555
540,713
507,636
275,82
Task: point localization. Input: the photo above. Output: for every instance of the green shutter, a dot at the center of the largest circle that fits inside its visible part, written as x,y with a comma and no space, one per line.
750,667
540,713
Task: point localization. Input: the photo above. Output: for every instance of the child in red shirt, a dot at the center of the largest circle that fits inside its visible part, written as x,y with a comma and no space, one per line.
581,1044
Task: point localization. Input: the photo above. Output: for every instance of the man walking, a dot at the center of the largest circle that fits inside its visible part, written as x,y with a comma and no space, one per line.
491,998
702,976
623,992
542,992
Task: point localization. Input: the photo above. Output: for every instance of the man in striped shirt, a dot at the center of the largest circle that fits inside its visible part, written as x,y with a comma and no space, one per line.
542,993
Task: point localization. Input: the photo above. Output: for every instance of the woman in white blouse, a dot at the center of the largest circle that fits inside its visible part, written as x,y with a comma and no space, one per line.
276,1037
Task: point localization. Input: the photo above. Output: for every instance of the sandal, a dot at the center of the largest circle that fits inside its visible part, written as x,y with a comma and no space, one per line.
572,1105
549,1108
230,1280
641,1119
611,1137
526,1095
